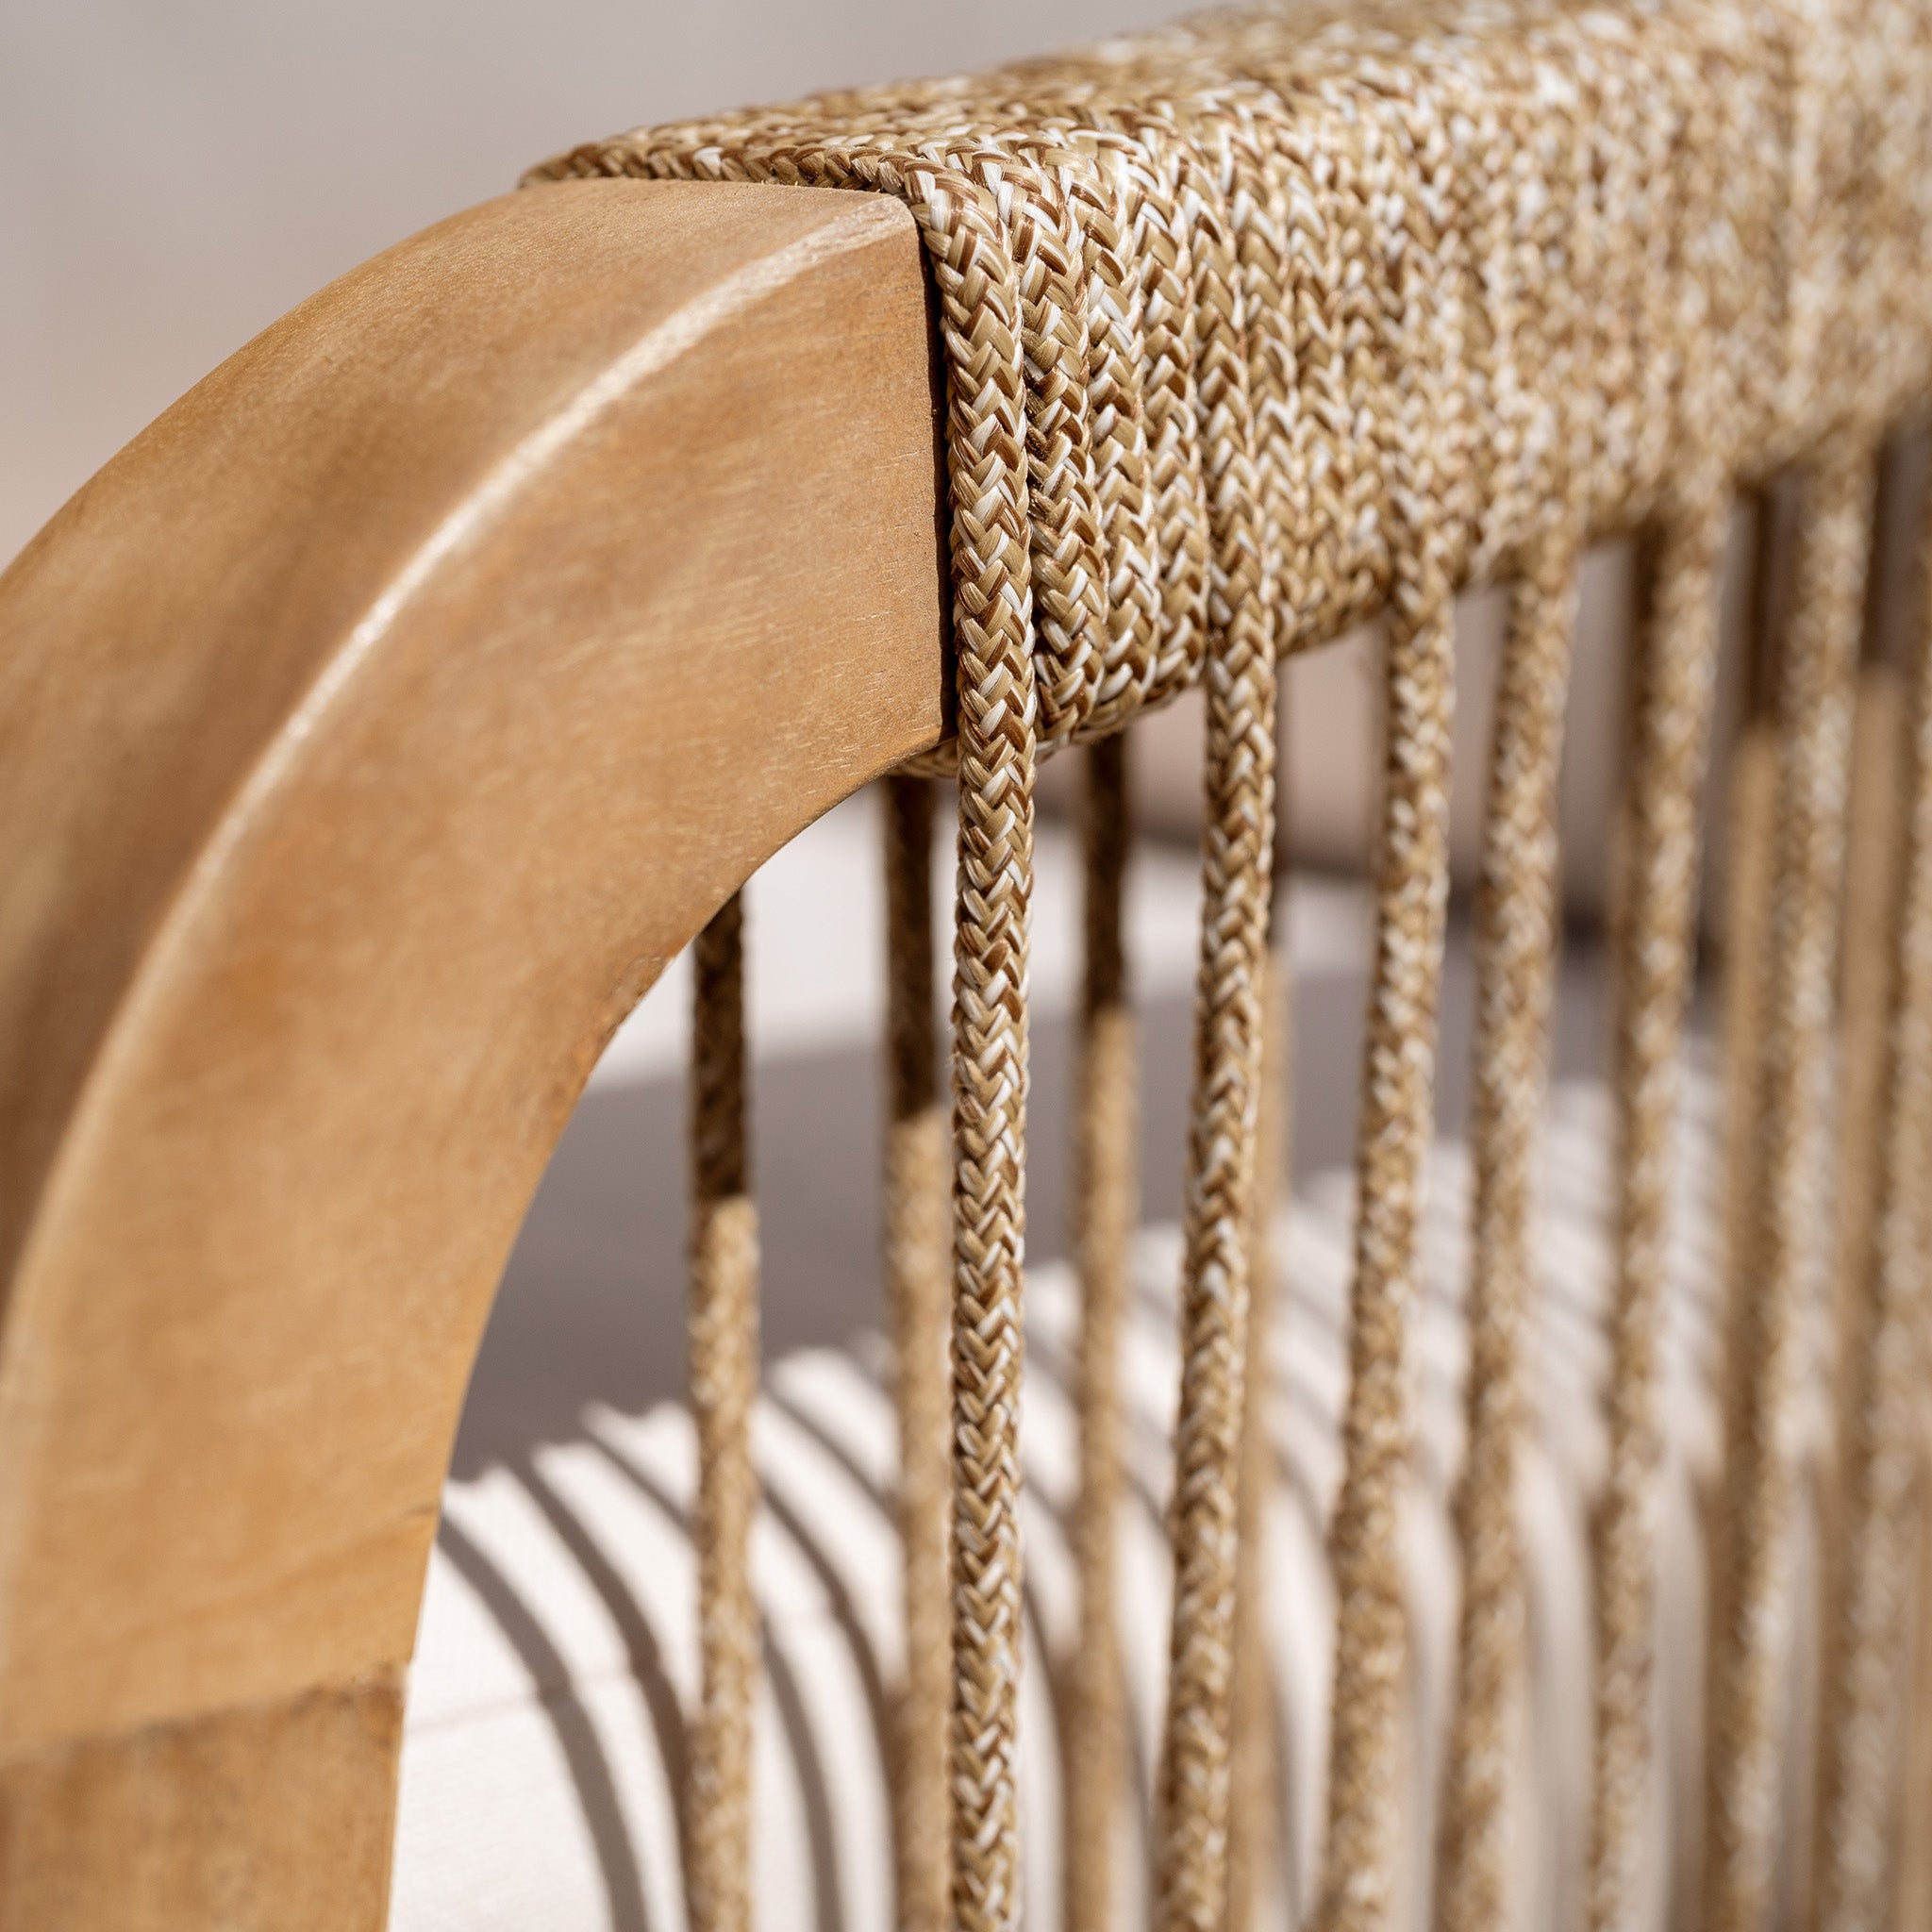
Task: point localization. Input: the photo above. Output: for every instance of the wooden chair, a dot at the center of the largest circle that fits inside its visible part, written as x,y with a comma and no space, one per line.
589,442
378,725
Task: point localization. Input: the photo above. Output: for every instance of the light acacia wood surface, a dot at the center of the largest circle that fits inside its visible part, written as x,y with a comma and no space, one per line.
372,730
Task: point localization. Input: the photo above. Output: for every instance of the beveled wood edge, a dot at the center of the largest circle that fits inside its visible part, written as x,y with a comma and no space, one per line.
373,731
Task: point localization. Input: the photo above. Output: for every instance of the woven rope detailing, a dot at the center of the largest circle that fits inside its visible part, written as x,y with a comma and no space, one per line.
1254,327
1106,1129
1412,889
1674,672
917,1276
1882,1427
1515,937
723,1378
1815,684
1255,1794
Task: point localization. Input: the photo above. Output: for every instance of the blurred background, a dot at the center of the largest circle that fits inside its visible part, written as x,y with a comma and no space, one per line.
177,175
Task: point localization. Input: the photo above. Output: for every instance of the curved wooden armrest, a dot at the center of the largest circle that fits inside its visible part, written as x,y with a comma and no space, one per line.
372,730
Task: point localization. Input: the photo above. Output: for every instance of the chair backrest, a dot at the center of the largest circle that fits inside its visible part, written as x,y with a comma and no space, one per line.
1249,330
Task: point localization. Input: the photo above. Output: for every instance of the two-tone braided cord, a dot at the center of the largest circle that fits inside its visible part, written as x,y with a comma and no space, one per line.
721,1376
1254,327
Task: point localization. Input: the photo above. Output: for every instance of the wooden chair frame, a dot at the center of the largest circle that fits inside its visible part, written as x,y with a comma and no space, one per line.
373,731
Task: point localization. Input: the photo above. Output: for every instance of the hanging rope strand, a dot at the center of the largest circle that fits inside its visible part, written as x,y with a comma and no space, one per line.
1412,889
1241,325
723,1381
1255,1794
1236,862
917,1249
1882,1432
1106,1129
1396,1121
979,307
1516,911
1750,1610
1674,672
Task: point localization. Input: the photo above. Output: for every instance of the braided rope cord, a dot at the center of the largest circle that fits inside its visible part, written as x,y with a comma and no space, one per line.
723,1380
1516,944
1750,871
1881,1431
917,1248
1875,828
1911,1877
1413,890
992,637
1255,1769
1674,672
1751,1587
1254,327
1237,869
1104,1214
1395,1129
1654,946
1533,452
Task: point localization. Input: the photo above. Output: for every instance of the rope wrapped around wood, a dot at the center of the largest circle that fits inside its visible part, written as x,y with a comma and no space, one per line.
1253,328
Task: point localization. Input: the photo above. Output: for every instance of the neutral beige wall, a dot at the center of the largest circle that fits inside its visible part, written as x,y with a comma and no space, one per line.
176,174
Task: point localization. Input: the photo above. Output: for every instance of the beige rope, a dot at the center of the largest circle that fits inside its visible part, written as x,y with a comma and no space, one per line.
917,1249
1750,856
1237,861
1673,672
1882,1429
1252,327
1394,1135
1106,1133
1515,941
1255,1772
996,878
723,1380
1752,1586
1875,815
1396,1121
1875,825
1911,1903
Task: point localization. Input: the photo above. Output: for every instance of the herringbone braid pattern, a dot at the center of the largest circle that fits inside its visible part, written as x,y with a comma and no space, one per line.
918,1250
1237,869
1515,943
1255,1791
1675,674
1750,1594
723,1380
1882,1429
992,639
1397,1087
1412,889
1254,326
1106,1130
1876,813
1654,946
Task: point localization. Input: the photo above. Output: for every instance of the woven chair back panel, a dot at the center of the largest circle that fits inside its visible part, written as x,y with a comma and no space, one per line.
1253,329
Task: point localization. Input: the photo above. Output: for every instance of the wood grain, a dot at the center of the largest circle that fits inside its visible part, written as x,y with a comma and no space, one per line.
372,730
